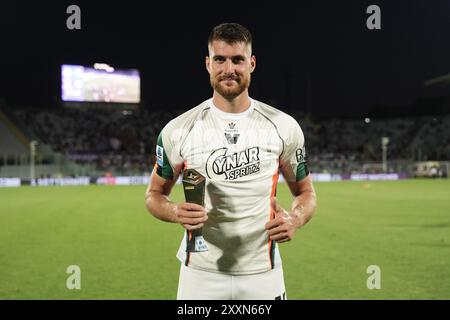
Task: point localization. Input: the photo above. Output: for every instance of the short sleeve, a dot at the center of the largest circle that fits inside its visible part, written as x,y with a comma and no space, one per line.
293,159
167,161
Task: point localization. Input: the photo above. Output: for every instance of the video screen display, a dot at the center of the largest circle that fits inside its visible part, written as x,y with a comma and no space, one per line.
86,84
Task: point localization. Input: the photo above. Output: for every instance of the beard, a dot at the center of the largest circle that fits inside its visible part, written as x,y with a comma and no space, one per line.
232,92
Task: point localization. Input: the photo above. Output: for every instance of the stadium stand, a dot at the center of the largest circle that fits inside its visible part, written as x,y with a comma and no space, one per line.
10,144
122,142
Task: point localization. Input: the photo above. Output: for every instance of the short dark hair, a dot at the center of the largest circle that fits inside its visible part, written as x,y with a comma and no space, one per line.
230,33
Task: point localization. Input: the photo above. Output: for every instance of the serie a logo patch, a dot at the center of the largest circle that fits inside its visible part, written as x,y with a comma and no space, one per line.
160,156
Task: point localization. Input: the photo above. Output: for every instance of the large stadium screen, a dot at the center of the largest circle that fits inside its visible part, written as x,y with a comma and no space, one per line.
86,84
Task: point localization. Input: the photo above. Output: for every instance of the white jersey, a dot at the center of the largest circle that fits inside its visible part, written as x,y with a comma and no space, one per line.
240,156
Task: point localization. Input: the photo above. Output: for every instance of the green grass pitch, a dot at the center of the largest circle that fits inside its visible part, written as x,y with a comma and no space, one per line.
124,253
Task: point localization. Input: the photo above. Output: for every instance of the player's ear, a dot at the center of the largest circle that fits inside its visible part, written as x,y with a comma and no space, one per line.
207,64
252,63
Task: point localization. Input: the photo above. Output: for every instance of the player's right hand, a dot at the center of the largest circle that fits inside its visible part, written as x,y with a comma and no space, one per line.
190,215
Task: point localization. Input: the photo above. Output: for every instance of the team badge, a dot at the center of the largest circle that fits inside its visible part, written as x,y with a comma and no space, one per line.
232,134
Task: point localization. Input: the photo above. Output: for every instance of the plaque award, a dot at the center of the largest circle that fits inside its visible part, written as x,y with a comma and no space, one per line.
194,192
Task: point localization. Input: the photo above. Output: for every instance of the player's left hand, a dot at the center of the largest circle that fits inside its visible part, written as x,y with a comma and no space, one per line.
282,228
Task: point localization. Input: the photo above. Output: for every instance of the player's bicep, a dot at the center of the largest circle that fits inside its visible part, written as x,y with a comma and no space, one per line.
160,185
301,186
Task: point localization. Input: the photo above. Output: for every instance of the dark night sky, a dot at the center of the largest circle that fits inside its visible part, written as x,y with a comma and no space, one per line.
350,67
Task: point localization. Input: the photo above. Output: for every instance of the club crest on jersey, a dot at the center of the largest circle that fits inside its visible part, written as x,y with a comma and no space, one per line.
232,166
232,134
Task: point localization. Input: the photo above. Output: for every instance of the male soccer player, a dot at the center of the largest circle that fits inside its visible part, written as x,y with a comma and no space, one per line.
239,145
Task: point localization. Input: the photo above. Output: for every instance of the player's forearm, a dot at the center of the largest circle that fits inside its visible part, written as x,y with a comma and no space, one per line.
303,207
160,206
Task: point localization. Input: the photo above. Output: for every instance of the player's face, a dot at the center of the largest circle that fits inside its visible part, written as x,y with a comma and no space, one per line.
230,67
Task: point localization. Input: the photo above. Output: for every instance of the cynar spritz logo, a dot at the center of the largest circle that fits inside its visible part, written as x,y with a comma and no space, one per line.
234,165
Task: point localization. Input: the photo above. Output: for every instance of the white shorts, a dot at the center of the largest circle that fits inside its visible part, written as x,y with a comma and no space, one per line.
197,284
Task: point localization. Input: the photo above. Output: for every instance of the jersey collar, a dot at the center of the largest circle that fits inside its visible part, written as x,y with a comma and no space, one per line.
231,115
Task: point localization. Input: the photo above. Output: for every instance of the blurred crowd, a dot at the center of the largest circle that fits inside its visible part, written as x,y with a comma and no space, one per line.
119,140
126,139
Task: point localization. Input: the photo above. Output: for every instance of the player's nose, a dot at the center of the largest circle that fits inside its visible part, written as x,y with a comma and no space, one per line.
229,67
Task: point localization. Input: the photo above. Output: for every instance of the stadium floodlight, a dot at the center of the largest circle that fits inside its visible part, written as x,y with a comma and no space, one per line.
439,80
103,66
384,143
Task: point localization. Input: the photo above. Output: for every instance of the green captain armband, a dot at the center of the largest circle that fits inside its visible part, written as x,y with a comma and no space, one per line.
302,171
